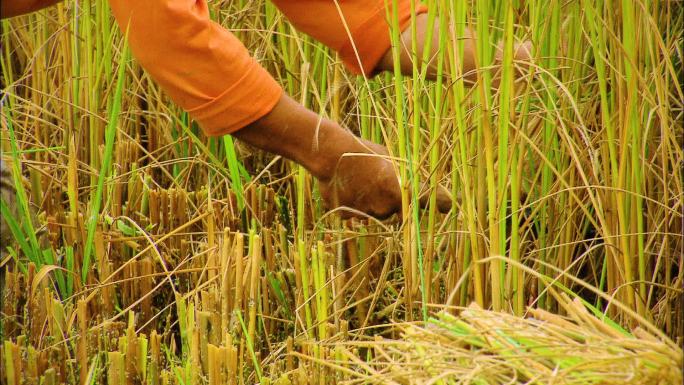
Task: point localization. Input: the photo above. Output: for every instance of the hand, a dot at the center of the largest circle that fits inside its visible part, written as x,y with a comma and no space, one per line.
522,51
353,173
366,181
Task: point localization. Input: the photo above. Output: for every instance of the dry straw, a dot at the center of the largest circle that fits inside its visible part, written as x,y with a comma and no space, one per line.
172,258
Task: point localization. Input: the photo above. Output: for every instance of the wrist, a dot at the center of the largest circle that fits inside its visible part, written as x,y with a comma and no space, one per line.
298,134
321,155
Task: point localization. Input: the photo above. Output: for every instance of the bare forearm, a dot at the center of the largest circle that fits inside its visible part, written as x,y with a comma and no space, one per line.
406,56
299,134
468,64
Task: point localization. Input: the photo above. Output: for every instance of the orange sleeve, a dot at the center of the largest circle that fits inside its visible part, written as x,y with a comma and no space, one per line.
366,20
11,8
204,68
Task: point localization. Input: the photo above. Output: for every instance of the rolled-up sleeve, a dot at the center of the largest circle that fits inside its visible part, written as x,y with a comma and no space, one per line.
203,67
358,30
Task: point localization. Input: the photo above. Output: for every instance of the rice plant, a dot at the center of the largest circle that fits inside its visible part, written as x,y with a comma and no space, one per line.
166,257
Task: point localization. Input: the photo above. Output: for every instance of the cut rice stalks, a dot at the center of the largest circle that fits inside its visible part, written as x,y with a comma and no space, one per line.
487,347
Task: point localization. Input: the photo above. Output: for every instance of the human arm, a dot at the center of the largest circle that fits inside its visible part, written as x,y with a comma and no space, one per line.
522,52
352,172
210,74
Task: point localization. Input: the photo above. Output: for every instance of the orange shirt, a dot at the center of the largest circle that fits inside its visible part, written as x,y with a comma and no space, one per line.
208,72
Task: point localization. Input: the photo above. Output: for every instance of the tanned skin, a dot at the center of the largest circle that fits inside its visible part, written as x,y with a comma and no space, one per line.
352,172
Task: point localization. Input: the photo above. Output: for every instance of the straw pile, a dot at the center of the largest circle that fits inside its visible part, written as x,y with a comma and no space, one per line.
486,347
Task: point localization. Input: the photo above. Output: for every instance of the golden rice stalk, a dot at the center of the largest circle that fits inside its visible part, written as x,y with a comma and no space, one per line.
481,346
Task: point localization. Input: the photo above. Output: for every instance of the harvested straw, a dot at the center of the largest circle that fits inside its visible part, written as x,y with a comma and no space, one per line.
486,347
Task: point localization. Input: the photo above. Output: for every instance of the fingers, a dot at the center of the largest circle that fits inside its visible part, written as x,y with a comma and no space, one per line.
349,213
382,208
368,185
382,204
393,206
444,199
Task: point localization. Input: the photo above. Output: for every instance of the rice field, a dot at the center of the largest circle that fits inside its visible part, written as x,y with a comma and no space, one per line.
143,252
